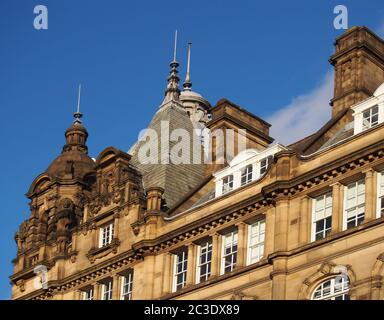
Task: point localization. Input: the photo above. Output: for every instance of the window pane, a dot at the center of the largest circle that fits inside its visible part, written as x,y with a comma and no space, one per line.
334,289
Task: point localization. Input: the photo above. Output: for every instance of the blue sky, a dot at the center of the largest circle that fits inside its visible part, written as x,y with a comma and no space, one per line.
270,57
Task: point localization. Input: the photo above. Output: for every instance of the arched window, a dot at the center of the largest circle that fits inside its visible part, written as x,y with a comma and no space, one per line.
336,288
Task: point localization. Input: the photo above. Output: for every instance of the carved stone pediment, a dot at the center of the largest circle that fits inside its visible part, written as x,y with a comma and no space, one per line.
97,253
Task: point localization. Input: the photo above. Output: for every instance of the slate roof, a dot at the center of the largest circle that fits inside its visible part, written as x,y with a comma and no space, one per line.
176,179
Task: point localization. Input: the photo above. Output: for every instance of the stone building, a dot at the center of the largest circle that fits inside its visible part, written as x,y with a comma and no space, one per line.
303,221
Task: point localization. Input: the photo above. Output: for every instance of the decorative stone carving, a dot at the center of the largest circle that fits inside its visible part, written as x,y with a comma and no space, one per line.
95,206
21,284
238,295
117,196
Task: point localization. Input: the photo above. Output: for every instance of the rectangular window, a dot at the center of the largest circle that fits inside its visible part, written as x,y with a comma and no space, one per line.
380,194
204,261
127,286
180,270
322,216
106,235
370,117
227,184
354,204
229,252
246,175
88,294
256,237
264,163
106,290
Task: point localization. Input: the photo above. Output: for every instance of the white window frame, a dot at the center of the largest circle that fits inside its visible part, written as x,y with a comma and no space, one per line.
88,294
180,258
107,290
106,234
204,250
262,167
127,286
227,184
256,241
325,212
358,207
338,287
380,195
368,122
232,244
247,174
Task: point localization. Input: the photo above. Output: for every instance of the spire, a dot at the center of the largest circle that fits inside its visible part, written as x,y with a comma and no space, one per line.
173,92
76,135
78,114
187,83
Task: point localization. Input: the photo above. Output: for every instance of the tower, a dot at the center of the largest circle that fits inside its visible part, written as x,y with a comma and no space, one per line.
56,201
359,67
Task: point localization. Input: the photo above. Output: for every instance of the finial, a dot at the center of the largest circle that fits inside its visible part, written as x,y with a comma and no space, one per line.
175,47
173,92
78,114
187,83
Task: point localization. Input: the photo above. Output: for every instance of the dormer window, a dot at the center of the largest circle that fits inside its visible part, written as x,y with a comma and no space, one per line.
264,163
368,113
227,183
370,118
248,166
246,175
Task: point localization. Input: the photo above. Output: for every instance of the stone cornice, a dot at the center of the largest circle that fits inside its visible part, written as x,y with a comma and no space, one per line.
231,214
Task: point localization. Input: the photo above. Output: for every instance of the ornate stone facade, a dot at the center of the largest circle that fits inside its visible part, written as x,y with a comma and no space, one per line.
111,228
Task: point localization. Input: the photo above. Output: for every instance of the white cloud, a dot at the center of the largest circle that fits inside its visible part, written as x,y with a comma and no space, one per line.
304,115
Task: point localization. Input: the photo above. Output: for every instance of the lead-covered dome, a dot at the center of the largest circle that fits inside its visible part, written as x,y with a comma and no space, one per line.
74,161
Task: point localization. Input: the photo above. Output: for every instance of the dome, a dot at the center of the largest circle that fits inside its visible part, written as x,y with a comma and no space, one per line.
192,96
73,162
77,126
70,164
379,91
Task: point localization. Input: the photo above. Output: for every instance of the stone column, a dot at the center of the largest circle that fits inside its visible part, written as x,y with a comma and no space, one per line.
97,291
241,244
278,275
216,255
116,287
154,196
191,265
77,295
281,224
370,212
305,221
94,236
269,232
167,273
337,207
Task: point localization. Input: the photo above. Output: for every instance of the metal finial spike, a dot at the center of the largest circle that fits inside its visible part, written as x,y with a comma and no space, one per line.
78,99
175,47
187,83
78,114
